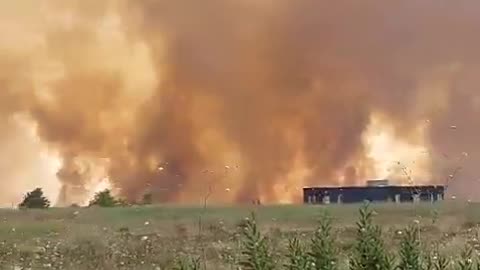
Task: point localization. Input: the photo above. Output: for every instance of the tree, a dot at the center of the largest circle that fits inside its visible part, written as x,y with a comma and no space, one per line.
35,199
104,199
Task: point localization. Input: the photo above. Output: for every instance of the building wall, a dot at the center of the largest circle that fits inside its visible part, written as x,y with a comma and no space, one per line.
374,194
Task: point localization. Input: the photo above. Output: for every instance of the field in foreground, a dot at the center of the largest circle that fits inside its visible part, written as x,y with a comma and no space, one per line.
156,237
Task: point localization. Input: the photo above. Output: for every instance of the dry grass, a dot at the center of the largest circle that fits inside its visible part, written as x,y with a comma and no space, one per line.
154,237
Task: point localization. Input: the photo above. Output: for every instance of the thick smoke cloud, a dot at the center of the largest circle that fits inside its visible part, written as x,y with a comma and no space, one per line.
243,99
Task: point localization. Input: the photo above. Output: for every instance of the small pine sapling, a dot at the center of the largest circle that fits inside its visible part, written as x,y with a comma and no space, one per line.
410,251
255,252
369,250
297,256
322,251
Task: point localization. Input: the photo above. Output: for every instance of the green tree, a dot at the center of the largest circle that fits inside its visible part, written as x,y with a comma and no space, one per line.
104,199
35,199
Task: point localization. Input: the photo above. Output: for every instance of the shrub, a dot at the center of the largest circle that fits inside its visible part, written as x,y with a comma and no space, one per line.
255,252
322,251
104,199
297,256
410,253
369,250
35,199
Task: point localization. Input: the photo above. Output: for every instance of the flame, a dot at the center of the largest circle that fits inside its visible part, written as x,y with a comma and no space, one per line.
27,163
104,184
400,160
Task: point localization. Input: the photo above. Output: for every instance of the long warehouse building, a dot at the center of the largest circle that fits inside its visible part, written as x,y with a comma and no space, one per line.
375,191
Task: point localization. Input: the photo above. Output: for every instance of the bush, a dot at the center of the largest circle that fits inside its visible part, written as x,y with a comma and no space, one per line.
369,252
104,199
297,256
35,199
322,251
410,253
255,253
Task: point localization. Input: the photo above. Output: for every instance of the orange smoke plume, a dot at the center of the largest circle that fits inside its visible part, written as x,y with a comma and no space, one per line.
235,100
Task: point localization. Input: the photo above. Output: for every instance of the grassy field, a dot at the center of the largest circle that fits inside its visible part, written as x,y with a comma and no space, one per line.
155,237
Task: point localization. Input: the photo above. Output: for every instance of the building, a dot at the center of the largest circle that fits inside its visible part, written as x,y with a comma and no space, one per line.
375,191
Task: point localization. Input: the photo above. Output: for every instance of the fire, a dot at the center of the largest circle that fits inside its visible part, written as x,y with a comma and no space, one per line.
114,89
402,161
104,184
26,163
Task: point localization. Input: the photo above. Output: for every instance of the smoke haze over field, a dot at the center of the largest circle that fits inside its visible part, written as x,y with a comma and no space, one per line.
245,98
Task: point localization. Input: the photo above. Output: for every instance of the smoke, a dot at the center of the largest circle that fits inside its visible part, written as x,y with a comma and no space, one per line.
235,100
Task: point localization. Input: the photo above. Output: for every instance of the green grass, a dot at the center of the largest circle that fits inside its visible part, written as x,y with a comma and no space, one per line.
158,237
